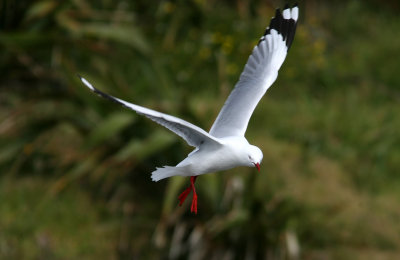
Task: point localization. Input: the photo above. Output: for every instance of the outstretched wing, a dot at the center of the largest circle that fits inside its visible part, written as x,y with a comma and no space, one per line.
258,75
193,135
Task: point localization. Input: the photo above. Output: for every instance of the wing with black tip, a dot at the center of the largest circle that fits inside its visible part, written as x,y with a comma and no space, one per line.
193,135
260,72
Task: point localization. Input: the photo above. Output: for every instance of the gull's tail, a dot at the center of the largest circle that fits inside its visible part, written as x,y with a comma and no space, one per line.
168,171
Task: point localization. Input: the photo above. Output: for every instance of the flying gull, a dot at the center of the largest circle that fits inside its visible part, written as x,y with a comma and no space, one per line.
225,146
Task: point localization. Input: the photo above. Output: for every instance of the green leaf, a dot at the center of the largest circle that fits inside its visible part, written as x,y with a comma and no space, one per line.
171,194
212,188
126,34
141,149
40,9
110,127
79,170
122,33
10,151
228,222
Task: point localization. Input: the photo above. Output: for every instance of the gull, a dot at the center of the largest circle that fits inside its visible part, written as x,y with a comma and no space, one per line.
225,146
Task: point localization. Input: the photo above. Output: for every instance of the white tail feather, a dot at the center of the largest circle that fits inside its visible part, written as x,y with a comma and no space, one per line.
168,171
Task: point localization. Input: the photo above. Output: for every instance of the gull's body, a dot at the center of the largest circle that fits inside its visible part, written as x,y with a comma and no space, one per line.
232,152
225,146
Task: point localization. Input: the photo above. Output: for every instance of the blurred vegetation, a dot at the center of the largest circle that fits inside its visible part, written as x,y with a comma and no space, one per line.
75,169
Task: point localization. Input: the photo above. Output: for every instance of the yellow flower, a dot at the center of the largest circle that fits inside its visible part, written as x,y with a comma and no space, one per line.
204,53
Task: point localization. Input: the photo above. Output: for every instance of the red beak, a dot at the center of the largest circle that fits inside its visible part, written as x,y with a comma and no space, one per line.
257,166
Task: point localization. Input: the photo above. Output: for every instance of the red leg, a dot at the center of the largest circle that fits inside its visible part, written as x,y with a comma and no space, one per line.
193,208
185,193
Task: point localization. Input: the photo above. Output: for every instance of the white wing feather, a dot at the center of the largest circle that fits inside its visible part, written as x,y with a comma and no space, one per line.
193,135
260,71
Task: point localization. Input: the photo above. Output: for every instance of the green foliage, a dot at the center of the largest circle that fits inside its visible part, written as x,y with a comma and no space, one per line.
75,169
35,224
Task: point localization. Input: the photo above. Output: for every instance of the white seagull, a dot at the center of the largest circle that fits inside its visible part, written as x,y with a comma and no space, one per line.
225,146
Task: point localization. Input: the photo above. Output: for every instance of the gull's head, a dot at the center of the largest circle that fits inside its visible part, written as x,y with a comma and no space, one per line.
254,156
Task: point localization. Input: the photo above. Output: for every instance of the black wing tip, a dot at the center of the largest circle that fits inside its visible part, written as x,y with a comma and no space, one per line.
90,86
87,83
100,93
106,96
81,78
287,6
84,81
284,26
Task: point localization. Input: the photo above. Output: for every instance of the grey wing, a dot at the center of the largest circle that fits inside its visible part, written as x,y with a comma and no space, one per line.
193,135
260,72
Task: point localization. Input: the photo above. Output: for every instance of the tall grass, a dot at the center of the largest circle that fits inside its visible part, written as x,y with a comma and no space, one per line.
328,130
